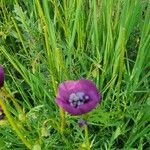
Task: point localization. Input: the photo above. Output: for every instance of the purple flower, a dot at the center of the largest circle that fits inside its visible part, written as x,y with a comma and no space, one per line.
78,97
81,122
1,76
1,84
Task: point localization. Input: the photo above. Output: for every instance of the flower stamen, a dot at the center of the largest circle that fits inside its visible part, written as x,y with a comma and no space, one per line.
78,99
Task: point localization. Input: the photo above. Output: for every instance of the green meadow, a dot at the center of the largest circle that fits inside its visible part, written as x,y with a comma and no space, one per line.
46,42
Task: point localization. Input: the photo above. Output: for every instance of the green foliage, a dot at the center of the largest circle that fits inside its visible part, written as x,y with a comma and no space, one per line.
43,43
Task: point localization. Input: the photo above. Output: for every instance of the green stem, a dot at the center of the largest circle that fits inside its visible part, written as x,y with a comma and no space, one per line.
62,114
17,106
13,124
62,125
87,137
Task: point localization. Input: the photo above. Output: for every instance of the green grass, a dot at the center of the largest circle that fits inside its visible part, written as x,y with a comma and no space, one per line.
43,43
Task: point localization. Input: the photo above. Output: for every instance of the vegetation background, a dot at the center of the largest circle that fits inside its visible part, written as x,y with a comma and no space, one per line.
45,42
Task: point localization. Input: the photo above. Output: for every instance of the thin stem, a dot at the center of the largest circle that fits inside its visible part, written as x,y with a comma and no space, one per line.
13,124
62,114
62,125
87,137
17,106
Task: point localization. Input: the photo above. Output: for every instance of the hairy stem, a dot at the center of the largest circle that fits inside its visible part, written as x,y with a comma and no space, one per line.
87,137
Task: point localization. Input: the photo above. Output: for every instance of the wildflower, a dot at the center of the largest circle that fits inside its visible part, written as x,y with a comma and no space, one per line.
81,122
78,97
1,76
1,84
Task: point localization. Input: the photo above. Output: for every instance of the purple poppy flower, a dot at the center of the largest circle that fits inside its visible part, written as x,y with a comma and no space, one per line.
1,76
78,97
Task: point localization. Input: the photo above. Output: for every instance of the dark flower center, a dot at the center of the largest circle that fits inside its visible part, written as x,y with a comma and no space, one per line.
1,114
77,99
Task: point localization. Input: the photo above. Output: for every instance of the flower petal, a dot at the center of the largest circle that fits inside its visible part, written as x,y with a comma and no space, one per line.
64,88
1,76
